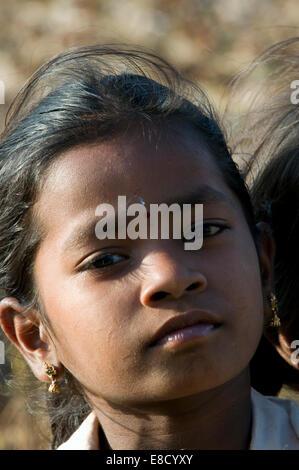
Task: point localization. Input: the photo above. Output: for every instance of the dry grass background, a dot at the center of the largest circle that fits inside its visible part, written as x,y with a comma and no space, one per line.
19,430
209,40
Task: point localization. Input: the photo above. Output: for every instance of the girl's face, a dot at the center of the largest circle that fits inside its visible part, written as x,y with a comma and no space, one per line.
106,299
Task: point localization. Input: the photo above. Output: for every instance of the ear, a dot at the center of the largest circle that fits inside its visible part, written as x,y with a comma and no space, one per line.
266,252
288,349
285,341
29,335
280,339
266,248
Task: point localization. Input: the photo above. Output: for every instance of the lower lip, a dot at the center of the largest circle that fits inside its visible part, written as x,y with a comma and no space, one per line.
187,335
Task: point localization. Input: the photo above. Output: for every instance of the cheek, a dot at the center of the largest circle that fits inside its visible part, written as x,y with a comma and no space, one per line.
233,274
238,268
93,323
243,280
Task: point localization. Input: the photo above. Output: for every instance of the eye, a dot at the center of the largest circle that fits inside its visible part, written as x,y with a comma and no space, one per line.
211,229
105,260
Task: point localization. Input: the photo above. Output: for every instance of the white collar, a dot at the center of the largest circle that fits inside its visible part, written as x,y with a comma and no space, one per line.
275,426
275,423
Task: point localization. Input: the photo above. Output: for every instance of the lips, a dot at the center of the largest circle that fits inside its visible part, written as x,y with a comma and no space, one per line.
184,320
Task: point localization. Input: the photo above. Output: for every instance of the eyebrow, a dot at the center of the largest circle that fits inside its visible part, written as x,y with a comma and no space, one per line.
203,194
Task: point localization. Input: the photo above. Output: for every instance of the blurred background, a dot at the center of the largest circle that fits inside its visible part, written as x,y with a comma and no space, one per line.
208,40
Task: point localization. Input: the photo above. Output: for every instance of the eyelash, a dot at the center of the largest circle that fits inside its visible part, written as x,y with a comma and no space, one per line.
92,264
221,227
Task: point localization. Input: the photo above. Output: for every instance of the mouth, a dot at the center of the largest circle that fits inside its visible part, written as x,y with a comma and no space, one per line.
184,328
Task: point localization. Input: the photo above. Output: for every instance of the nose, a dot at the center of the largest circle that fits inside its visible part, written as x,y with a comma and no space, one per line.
169,278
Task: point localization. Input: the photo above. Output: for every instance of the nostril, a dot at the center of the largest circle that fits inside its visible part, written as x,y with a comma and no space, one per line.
162,294
159,295
193,286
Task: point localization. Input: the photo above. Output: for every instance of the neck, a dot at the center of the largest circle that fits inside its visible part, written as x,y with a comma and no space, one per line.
217,419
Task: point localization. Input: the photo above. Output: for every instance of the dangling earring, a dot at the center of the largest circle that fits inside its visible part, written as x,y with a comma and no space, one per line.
275,321
51,372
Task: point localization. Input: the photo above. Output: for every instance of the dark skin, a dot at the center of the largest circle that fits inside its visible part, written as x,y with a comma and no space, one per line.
191,397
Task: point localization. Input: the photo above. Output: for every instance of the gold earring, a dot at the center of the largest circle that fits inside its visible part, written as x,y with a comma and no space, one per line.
51,372
275,321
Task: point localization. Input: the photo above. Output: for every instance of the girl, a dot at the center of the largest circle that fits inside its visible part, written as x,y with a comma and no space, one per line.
266,139
151,340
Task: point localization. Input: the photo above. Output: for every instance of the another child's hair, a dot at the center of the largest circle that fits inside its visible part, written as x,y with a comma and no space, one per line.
81,96
265,138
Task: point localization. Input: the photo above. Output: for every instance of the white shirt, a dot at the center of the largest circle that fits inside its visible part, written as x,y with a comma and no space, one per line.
275,423
275,426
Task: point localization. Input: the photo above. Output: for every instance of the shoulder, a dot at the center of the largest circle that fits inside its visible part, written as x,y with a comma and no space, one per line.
275,423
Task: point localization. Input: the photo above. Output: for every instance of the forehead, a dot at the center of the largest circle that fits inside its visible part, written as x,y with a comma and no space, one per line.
154,167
